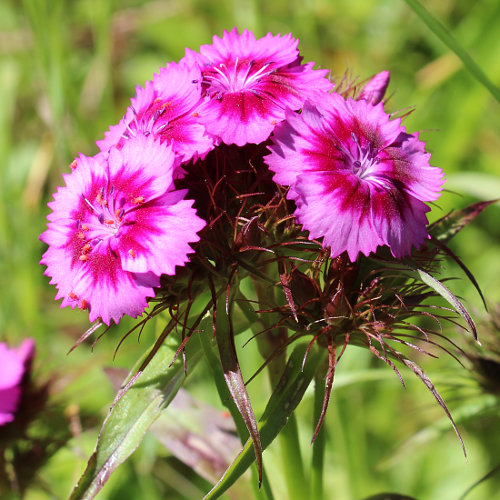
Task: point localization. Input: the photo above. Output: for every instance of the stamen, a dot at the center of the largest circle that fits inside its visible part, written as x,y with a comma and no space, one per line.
86,248
80,235
72,295
72,165
84,304
139,200
132,253
89,205
109,222
84,257
100,198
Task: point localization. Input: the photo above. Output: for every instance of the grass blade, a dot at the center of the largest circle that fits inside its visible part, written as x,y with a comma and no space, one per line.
448,39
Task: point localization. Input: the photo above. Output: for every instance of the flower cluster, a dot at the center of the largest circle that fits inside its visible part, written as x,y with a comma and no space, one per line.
241,180
229,117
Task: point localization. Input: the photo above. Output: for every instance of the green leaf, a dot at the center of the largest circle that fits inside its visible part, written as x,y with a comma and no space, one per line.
447,295
284,399
448,226
447,38
234,379
147,392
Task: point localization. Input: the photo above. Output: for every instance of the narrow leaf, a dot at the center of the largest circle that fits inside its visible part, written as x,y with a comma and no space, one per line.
234,378
447,38
432,388
149,390
447,295
448,226
462,266
284,399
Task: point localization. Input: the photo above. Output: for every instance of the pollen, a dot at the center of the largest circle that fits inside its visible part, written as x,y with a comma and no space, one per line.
139,200
165,105
101,200
132,253
84,304
80,235
72,295
109,222
195,115
157,100
72,165
83,257
84,227
86,248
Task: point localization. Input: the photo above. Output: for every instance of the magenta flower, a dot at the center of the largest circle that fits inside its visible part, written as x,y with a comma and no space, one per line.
13,365
167,108
358,179
251,82
117,226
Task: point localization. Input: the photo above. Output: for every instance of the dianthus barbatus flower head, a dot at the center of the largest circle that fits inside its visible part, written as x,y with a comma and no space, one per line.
167,108
251,82
357,178
116,226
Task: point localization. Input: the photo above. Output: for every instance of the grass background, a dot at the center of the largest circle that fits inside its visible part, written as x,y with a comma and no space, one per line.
67,71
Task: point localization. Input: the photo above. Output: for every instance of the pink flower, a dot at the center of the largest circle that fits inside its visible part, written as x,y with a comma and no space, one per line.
117,226
358,179
167,108
13,364
251,82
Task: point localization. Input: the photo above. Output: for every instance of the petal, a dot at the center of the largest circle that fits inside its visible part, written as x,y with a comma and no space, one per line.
160,239
9,399
374,90
110,292
11,367
143,167
241,117
337,207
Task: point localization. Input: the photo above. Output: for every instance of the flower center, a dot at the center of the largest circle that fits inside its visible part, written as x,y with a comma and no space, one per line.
105,214
360,158
150,121
235,78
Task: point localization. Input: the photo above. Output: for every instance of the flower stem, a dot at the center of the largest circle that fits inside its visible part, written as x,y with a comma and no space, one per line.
318,451
292,461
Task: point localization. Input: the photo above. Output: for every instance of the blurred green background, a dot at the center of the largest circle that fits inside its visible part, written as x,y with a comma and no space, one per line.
67,71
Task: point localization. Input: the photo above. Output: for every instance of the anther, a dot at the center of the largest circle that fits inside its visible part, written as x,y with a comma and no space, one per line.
84,304
72,165
84,227
109,222
84,257
100,198
72,295
138,200
81,235
86,248
132,253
